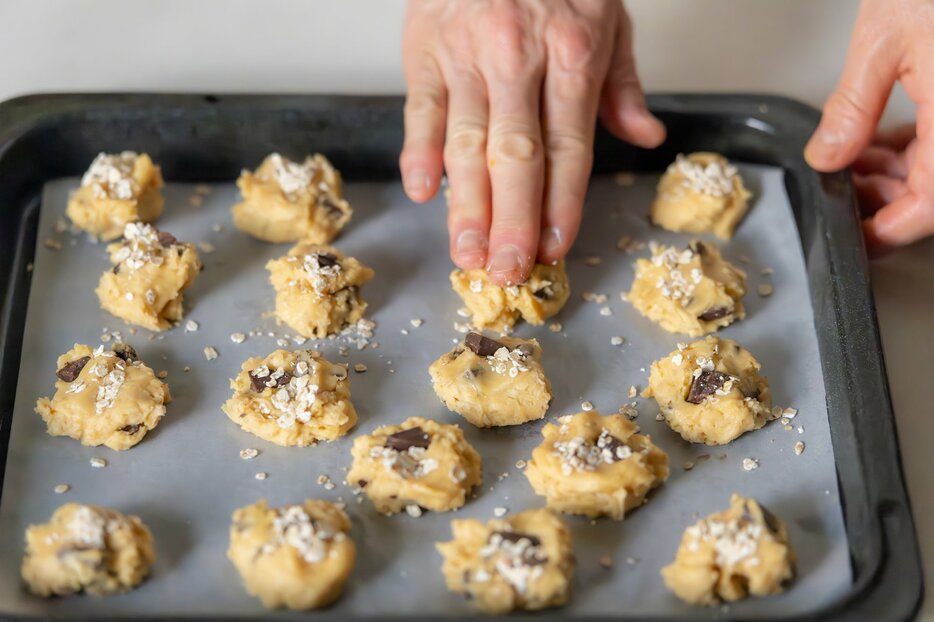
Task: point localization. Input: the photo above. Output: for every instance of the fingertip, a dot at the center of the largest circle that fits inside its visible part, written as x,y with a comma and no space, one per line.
508,265
419,180
468,248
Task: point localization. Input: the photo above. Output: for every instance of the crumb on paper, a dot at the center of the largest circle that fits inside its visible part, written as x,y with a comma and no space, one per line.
196,200
624,178
593,260
606,311
750,464
98,463
53,244
799,448
359,368
163,374
261,475
555,327
499,512
521,464
206,247
249,453
616,340
61,489
765,289
416,322
413,510
210,353
606,561
191,326
237,337
633,391
587,406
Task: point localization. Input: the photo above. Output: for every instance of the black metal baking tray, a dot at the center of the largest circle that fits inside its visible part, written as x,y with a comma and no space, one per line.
205,138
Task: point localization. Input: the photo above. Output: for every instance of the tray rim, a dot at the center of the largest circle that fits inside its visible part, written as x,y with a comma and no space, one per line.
880,533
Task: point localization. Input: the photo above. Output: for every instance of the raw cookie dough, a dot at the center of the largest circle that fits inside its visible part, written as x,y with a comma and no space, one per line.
86,548
498,308
493,382
294,399
701,193
693,291
419,464
318,289
710,391
104,397
285,201
595,466
116,190
730,555
151,271
297,556
523,561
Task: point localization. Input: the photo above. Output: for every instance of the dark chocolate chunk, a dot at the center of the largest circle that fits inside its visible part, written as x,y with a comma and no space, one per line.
611,444
480,345
70,371
514,536
333,209
259,383
413,437
362,483
715,313
131,429
116,269
705,385
126,352
166,238
326,260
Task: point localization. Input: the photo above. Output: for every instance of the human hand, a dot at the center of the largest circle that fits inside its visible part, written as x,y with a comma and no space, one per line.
506,93
893,171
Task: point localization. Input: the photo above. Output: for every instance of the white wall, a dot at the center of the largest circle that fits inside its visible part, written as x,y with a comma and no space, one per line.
794,47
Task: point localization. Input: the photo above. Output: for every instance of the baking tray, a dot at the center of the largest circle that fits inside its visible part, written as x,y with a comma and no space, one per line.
872,572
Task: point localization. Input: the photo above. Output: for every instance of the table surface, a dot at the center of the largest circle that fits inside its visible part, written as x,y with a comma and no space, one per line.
221,45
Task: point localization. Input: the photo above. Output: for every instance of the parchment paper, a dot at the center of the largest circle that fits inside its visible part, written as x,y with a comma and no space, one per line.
186,478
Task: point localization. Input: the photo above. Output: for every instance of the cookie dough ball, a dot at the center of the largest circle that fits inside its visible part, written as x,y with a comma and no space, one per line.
710,391
117,189
596,466
499,308
419,464
524,561
286,201
493,382
693,291
318,289
297,556
701,193
104,397
294,399
730,555
151,270
87,548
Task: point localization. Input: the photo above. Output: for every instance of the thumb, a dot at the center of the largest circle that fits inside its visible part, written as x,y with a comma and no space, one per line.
852,111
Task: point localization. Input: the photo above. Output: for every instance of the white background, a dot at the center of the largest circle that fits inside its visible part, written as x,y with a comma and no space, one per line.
792,47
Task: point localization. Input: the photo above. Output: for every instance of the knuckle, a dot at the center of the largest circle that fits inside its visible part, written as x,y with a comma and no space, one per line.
509,41
573,86
567,142
427,100
845,103
574,44
515,145
465,140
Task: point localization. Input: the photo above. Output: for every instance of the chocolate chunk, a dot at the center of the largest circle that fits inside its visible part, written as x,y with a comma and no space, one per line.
70,371
259,383
131,429
333,209
544,293
514,536
361,483
126,352
413,437
705,385
611,444
166,239
326,260
715,313
480,345
116,269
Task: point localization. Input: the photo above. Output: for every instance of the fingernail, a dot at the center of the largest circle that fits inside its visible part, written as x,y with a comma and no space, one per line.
417,180
551,241
505,260
470,242
824,145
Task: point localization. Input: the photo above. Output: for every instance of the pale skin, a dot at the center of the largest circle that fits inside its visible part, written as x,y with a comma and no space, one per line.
503,98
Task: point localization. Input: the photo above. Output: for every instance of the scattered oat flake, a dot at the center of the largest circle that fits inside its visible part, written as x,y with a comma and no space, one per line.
789,413
206,247
606,561
520,464
767,272
587,406
799,448
203,189
499,512
61,489
163,374
744,259
249,453
53,244
555,327
359,368
404,331
659,417
238,337
416,322
606,311
616,340
186,368
210,353
191,326
261,475
98,463
687,465
413,510
195,200
217,228
765,289
750,464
